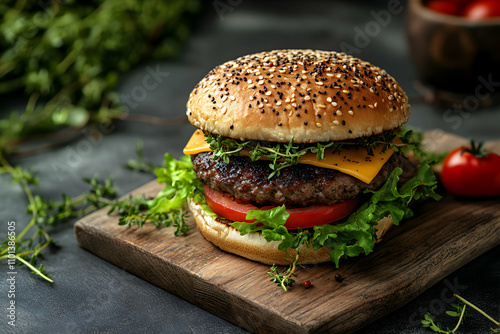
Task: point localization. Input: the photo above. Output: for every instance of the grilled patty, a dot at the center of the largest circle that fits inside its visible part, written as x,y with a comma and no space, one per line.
300,185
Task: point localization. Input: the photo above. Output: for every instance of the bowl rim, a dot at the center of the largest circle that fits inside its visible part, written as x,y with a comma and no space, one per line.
418,6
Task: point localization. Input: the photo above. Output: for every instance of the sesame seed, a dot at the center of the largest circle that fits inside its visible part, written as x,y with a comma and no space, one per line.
307,98
336,122
339,112
224,98
351,112
328,99
334,104
319,83
268,92
321,106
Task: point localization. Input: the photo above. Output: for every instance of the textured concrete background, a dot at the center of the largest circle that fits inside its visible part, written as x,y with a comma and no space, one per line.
92,296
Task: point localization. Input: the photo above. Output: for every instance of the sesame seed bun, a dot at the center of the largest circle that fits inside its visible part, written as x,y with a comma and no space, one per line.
254,246
310,96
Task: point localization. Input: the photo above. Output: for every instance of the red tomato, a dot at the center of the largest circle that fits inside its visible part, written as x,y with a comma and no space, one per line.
444,6
224,205
466,174
482,9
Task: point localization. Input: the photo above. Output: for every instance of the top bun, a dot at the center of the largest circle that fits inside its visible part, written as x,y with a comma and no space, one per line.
305,95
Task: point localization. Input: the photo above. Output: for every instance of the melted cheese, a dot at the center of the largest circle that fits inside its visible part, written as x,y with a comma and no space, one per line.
353,161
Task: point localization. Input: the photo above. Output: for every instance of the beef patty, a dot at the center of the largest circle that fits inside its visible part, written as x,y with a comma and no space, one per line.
300,185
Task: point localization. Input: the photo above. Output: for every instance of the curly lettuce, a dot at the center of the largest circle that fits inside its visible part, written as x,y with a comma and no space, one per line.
350,237
355,234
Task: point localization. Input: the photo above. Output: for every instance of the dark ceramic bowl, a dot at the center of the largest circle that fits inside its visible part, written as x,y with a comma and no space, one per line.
453,52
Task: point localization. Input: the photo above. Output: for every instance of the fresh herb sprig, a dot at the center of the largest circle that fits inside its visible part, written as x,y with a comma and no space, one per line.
284,278
283,155
458,312
168,208
436,325
134,211
414,144
48,213
355,234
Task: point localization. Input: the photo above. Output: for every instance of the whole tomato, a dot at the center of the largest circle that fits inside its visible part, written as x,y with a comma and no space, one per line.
471,172
444,7
482,9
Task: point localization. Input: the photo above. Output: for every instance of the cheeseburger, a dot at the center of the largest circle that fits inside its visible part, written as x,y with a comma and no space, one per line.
312,132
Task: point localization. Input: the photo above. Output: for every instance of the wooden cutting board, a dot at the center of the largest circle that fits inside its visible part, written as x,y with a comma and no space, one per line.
442,237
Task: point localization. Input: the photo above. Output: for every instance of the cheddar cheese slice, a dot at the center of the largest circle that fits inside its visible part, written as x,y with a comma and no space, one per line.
353,161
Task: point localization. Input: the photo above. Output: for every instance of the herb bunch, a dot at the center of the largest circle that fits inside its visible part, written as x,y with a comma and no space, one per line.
67,56
458,312
283,155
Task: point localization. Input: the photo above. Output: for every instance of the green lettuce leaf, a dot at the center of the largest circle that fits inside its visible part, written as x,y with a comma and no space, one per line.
356,234
180,184
272,219
348,238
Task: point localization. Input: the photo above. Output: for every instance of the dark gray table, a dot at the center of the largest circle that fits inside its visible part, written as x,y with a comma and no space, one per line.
91,295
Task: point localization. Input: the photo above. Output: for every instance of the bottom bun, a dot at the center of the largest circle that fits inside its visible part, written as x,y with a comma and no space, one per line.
255,247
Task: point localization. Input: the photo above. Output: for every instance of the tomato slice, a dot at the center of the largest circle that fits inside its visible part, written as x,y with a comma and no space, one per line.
226,206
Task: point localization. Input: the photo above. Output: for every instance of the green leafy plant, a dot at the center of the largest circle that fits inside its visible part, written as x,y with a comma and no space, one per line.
167,209
458,312
141,164
67,56
437,327
49,213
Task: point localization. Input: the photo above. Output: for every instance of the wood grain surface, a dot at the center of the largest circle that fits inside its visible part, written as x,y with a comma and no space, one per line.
442,237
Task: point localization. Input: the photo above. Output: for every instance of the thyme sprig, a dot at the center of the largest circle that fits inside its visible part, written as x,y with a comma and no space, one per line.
45,213
460,313
283,155
134,211
284,278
